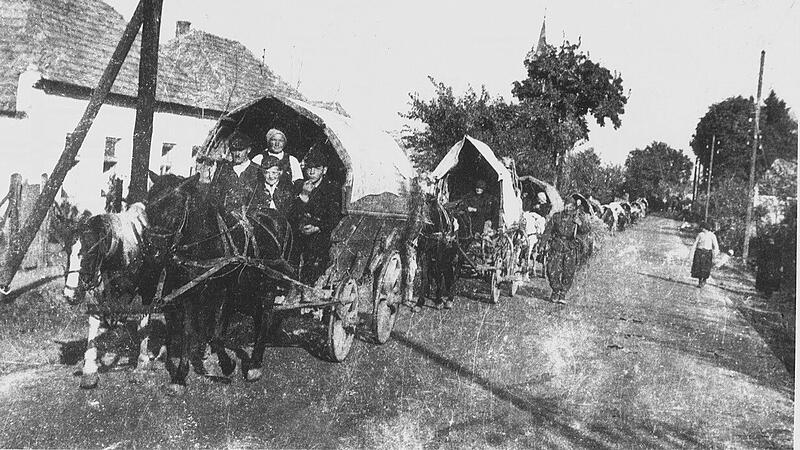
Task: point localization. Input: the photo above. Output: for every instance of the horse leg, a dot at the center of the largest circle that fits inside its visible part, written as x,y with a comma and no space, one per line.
220,326
261,329
177,386
89,377
425,267
143,361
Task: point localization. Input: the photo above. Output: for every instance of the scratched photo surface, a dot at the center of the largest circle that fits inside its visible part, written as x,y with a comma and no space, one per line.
518,224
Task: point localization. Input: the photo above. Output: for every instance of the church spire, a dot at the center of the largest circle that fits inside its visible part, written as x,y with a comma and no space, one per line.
540,46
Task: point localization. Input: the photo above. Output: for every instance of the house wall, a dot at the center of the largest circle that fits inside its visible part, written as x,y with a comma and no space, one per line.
31,145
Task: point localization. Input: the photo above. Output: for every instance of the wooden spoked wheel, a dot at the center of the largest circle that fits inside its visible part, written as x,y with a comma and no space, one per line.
341,320
387,298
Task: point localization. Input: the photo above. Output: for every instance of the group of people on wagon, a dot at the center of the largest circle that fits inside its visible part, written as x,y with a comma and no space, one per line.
276,180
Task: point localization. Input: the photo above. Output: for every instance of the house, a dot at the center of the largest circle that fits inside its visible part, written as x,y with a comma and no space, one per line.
53,54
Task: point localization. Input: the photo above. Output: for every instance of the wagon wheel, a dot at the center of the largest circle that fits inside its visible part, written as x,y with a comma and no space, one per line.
341,320
496,274
387,298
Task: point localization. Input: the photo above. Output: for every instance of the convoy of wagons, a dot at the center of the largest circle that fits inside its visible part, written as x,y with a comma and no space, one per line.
372,258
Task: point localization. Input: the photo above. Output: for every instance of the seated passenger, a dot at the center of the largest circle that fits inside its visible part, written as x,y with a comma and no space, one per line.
481,208
236,186
315,212
290,167
542,207
279,193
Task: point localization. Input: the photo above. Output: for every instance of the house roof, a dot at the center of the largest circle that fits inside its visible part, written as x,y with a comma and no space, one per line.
71,42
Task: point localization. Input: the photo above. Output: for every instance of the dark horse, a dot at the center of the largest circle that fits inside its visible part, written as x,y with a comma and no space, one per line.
189,235
438,254
115,266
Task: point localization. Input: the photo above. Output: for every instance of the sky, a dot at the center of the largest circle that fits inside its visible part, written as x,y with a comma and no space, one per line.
676,58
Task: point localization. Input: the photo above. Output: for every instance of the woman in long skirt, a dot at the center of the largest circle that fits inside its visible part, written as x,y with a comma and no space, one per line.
704,249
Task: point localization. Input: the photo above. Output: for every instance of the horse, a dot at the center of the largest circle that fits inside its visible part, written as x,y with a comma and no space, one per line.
113,263
610,218
534,226
187,230
438,254
64,228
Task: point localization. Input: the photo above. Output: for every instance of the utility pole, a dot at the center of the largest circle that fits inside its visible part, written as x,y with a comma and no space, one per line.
748,230
710,170
695,179
19,243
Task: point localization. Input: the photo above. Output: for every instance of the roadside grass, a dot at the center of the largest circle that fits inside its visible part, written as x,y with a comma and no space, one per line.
36,324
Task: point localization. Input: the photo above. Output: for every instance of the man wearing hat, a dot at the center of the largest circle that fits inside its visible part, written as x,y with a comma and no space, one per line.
315,212
279,194
237,185
560,241
290,166
480,206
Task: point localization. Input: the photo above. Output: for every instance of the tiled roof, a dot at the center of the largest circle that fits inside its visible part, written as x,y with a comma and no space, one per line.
71,41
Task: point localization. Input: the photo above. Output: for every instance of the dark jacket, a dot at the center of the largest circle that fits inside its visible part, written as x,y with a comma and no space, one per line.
323,209
283,196
564,230
230,191
485,206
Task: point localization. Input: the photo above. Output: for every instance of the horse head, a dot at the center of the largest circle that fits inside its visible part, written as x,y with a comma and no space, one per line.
167,208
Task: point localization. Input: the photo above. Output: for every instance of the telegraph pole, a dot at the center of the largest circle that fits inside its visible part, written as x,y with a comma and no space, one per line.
695,179
748,230
710,169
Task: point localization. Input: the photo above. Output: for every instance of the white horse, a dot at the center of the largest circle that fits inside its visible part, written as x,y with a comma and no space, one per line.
533,226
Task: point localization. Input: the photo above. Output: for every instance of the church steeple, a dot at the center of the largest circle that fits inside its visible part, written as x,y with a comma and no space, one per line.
540,46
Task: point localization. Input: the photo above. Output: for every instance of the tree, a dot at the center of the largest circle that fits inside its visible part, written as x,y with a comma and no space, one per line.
503,127
778,131
731,121
657,172
564,87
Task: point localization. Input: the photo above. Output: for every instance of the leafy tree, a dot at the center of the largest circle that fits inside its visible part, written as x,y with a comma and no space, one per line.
448,117
778,130
656,172
732,122
564,87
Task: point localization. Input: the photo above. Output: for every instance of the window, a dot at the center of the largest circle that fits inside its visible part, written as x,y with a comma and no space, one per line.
166,160
110,153
111,146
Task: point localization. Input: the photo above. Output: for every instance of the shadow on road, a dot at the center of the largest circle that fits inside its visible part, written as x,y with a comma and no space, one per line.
672,280
548,413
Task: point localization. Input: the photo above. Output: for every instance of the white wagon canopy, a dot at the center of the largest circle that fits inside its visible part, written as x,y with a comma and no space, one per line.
375,173
470,160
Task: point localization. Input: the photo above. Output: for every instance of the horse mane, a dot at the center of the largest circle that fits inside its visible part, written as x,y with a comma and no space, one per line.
122,231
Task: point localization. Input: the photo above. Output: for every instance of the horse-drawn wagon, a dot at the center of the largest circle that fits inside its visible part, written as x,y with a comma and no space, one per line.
491,252
195,255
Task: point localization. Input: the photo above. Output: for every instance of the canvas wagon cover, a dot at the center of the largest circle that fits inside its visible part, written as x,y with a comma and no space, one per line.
378,172
510,202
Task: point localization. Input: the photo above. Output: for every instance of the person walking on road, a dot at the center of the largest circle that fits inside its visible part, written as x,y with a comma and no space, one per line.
560,241
705,247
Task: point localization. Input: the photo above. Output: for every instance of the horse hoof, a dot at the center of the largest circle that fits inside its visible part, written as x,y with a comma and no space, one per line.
175,390
253,375
89,380
416,309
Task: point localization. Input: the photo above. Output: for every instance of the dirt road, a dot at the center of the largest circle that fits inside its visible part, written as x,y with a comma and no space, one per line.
639,357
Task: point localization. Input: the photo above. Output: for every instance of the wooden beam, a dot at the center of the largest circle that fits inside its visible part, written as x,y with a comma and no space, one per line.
146,100
19,243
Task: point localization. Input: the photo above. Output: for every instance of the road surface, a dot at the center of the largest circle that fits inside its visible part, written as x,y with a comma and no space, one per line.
638,357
